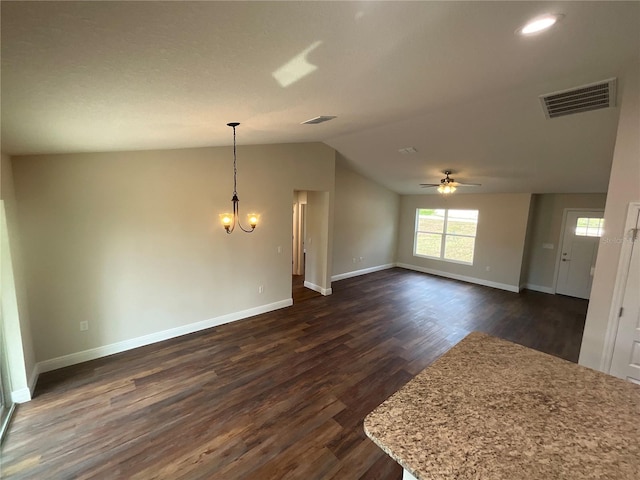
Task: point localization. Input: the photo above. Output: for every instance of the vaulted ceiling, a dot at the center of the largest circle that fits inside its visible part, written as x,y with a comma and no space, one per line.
451,79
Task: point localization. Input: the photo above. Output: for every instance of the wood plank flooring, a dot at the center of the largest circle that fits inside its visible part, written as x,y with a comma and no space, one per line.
299,292
277,396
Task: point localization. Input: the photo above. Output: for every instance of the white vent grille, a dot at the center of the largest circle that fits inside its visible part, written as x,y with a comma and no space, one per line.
320,119
407,150
580,99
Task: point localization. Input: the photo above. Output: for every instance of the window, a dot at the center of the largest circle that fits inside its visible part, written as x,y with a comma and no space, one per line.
446,234
589,227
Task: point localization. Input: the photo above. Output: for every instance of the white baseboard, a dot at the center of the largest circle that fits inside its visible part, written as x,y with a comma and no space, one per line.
25,394
464,278
364,271
318,288
21,396
105,350
539,288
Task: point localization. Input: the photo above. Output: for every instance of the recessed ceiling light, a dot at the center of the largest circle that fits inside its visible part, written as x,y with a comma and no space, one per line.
539,24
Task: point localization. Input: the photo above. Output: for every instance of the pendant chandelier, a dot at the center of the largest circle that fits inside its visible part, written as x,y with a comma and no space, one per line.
230,220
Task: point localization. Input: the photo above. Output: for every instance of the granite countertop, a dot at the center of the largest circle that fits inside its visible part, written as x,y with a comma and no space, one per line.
491,409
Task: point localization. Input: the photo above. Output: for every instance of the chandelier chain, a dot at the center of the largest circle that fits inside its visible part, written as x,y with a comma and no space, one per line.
229,222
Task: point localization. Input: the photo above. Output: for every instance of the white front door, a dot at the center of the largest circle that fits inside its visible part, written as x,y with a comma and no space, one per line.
625,362
582,232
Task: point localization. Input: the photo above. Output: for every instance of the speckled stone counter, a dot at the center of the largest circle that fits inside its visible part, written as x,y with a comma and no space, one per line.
490,409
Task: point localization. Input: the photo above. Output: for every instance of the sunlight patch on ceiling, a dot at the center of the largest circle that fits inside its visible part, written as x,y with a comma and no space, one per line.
296,68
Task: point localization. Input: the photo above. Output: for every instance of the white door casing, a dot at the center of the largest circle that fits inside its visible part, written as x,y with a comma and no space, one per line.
625,358
294,241
577,256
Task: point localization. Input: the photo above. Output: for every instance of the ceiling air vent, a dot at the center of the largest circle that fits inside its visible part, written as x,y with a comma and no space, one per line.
580,99
320,119
407,150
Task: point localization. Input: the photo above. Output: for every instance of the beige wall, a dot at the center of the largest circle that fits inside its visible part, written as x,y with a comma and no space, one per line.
624,188
15,312
131,241
365,223
545,228
317,262
500,237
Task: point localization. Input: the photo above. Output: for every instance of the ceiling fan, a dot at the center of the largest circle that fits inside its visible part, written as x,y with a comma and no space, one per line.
448,184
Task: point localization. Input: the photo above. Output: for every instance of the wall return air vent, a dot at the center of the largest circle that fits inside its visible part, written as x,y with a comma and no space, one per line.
580,99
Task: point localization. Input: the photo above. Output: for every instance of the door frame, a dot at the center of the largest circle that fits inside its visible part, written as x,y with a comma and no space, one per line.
633,212
299,232
566,211
7,405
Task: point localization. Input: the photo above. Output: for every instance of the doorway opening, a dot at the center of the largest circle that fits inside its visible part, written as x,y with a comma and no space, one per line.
299,233
299,291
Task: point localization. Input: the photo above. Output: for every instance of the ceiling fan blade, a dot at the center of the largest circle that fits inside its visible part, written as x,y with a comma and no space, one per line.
428,185
468,184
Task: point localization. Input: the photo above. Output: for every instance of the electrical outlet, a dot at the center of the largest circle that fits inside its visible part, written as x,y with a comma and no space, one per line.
84,326
361,259
354,259
279,249
261,289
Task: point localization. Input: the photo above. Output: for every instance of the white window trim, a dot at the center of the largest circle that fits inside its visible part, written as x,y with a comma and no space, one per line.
443,238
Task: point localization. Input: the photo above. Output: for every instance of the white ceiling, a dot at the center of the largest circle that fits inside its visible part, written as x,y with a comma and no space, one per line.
451,79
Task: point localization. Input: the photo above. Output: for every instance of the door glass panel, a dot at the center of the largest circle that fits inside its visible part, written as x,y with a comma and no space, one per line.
589,227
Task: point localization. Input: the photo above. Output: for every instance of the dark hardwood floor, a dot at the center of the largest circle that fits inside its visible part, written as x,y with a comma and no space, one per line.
299,292
279,395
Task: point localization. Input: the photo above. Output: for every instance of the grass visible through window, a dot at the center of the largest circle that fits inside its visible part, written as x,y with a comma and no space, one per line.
446,234
589,227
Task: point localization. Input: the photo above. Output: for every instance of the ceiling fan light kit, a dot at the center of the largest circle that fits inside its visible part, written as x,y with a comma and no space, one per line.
448,185
445,189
